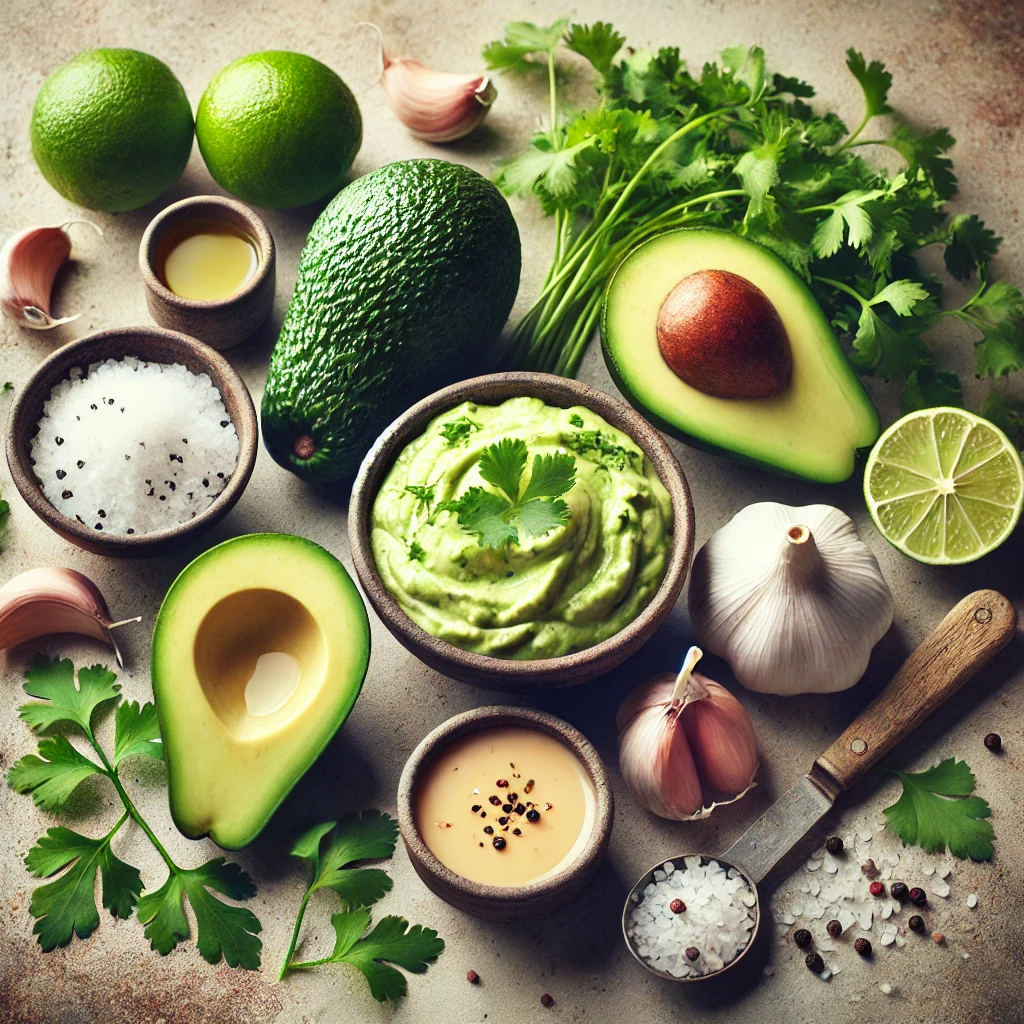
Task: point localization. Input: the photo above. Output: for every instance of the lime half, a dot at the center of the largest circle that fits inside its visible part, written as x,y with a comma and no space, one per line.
944,486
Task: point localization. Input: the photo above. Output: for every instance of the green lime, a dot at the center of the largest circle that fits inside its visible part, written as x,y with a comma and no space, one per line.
112,129
944,486
278,129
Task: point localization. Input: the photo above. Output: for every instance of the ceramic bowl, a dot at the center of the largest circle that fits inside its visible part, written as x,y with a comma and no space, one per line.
220,323
504,903
154,345
499,673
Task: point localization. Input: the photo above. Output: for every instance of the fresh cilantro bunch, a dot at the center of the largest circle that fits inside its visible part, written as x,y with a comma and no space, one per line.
332,865
497,519
736,148
66,906
936,810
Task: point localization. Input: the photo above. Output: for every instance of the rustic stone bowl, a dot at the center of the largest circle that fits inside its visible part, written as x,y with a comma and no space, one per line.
500,673
221,323
152,344
495,902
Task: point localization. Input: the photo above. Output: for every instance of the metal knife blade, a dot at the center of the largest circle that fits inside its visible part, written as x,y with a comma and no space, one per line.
779,829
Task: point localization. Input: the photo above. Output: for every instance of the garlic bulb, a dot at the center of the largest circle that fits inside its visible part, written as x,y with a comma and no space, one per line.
686,744
435,106
29,262
41,602
791,598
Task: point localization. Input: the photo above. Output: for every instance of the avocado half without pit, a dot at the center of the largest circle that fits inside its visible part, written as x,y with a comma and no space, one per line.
259,653
716,341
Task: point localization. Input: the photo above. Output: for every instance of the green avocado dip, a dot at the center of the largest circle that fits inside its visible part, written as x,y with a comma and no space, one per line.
541,596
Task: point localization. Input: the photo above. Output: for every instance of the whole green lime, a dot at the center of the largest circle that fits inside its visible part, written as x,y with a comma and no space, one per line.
112,129
278,129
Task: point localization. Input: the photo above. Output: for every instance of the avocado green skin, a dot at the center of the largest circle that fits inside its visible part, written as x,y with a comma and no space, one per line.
112,129
405,278
278,129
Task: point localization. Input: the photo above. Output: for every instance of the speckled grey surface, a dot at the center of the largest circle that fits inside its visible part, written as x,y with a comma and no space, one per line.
955,64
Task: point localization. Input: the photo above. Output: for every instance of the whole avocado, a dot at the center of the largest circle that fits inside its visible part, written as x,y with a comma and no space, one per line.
405,278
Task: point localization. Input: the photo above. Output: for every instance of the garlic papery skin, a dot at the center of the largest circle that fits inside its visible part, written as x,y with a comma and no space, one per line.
41,602
434,105
791,598
29,262
686,745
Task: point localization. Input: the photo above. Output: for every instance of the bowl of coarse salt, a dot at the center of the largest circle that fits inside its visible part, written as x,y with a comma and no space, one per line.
132,442
691,918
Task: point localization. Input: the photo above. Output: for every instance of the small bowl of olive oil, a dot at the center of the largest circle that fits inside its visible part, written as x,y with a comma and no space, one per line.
208,266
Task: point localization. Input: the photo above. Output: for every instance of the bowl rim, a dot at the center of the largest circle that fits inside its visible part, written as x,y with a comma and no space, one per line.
410,424
178,213
497,716
23,425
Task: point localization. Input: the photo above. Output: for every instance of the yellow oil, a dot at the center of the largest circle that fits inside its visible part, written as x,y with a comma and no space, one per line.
207,259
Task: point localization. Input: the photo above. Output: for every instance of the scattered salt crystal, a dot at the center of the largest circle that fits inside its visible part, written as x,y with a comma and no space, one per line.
856,997
825,974
815,889
813,865
885,988
940,888
865,835
788,919
864,918
928,869
660,876
805,887
668,867
133,447
831,867
972,900
887,939
966,956
887,911
796,909
837,970
900,941
826,947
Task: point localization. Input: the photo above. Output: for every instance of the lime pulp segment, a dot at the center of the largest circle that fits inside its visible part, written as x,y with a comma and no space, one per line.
944,486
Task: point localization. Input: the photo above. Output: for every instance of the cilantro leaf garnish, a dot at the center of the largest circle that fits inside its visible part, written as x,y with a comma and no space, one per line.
937,811
457,431
612,455
497,519
66,906
337,865
523,41
424,493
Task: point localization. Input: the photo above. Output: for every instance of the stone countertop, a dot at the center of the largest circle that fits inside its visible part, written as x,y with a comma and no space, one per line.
953,64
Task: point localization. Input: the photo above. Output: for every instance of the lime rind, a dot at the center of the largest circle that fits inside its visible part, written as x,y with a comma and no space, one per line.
944,486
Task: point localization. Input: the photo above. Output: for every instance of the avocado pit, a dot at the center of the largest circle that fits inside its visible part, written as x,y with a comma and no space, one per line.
720,334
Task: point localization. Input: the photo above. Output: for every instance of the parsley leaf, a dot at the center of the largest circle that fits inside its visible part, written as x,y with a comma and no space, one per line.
457,431
523,41
874,80
997,311
136,731
55,682
599,43
925,150
937,811
969,246
496,519
54,775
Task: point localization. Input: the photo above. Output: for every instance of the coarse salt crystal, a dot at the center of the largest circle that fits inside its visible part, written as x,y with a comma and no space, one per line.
885,988
972,900
940,888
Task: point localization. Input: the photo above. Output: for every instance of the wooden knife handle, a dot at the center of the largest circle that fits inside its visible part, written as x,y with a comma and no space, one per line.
980,626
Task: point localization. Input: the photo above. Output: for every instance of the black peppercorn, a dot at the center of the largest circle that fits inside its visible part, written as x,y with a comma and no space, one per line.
802,937
547,1000
918,896
916,923
496,800
814,962
513,797
693,953
834,928
517,831
834,845
503,820
488,830
533,815
507,808
899,891
520,809
994,742
863,947
475,808
498,843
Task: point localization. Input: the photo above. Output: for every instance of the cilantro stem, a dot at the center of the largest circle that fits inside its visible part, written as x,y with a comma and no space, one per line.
843,288
287,965
302,965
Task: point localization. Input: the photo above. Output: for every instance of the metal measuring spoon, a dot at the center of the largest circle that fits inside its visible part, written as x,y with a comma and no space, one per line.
980,626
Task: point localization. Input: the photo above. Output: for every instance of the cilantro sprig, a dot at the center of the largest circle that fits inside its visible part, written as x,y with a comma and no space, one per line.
66,906
497,520
937,810
334,853
736,148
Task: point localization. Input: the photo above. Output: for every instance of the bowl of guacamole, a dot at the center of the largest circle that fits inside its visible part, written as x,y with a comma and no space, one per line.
521,531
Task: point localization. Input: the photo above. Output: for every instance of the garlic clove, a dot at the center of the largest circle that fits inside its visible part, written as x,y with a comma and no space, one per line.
434,105
721,738
29,262
41,602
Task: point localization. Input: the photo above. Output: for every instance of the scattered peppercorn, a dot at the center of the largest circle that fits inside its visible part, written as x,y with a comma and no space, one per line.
528,788
814,962
475,808
877,889
994,742
677,906
533,815
834,928
834,845
863,946
503,820
513,797
488,830
802,937
496,800
517,831
899,891
692,953
869,869
472,977
498,843
520,809
918,896
916,923
938,937
502,783
547,1000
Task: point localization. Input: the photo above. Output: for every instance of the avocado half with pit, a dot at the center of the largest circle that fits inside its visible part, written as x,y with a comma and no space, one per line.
715,340
259,652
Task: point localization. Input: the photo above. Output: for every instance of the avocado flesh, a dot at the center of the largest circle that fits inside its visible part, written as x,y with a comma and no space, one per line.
812,429
228,770
405,279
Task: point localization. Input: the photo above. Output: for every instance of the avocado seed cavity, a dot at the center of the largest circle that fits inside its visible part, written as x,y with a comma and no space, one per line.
721,334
